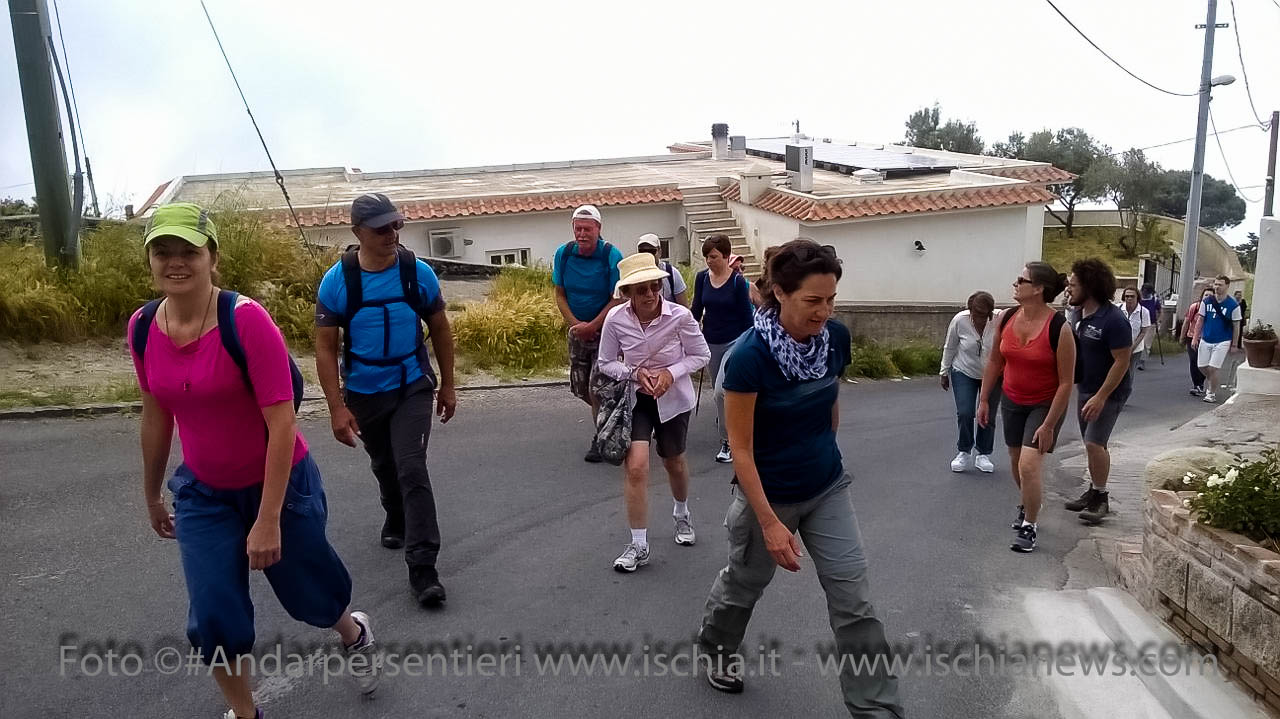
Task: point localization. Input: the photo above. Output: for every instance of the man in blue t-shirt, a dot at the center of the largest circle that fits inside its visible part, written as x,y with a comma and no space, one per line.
585,274
389,384
1104,343
1216,333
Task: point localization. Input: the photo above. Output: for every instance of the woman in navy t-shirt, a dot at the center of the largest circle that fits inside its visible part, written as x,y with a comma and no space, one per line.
782,387
722,303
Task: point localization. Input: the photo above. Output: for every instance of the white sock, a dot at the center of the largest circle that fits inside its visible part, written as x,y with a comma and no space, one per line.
1099,488
640,537
681,509
1025,523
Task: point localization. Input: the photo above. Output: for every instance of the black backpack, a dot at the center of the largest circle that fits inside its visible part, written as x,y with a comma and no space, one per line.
411,295
226,332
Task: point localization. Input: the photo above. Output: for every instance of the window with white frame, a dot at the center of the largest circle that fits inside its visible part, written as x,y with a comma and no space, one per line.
509,257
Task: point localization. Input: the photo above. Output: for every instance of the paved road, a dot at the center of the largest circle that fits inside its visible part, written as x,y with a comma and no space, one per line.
529,533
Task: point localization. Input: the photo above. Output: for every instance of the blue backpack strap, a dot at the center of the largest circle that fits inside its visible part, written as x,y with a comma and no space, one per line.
227,333
142,328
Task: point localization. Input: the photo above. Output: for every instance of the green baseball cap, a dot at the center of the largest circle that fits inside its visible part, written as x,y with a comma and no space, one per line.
184,220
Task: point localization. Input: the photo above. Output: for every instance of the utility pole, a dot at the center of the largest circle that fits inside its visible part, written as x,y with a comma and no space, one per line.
1270,196
30,20
1187,279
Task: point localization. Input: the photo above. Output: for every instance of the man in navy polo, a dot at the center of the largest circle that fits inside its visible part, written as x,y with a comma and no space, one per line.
1103,380
389,386
585,272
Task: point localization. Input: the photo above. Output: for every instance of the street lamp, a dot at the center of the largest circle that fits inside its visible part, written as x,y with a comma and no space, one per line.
1222,80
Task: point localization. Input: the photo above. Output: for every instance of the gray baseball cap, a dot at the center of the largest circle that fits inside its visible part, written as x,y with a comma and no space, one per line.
374,210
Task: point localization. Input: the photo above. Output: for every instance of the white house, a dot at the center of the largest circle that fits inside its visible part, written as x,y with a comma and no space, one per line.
913,227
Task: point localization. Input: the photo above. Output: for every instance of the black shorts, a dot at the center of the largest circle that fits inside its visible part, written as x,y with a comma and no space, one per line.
1021,422
671,435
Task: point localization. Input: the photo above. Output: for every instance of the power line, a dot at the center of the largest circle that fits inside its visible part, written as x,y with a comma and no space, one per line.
1187,139
1226,164
272,162
1113,60
1240,52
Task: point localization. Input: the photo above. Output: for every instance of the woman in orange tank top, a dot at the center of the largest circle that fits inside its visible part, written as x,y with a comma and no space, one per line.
1038,369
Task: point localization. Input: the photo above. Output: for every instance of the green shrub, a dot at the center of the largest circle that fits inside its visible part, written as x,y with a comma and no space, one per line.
1243,498
914,359
515,281
255,258
869,359
514,332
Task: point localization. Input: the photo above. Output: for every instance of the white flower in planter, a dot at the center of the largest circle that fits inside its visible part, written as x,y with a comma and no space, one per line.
1186,503
1231,475
1213,480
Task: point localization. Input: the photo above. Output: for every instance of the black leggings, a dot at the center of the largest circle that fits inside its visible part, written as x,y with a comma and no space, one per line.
1197,377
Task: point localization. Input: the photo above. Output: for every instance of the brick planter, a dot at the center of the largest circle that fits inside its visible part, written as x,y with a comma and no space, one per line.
1219,590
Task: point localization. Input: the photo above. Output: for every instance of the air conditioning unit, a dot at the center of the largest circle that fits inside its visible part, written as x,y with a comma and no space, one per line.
445,243
799,164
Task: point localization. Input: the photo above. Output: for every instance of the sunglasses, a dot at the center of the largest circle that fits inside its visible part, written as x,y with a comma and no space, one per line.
389,228
1023,281
648,288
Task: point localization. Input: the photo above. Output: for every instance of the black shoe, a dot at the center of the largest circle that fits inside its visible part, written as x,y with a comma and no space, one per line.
1085,500
593,454
392,537
425,583
724,678
1021,515
432,595
1025,542
1098,508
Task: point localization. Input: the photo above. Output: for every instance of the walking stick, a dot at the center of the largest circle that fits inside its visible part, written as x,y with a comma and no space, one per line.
1159,347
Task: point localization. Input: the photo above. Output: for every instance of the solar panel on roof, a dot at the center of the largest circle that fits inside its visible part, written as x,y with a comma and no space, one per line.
848,158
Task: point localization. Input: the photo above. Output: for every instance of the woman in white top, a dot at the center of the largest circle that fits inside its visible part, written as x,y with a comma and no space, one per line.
657,345
964,356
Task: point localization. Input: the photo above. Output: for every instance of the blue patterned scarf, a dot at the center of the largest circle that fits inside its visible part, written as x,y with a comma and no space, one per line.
797,360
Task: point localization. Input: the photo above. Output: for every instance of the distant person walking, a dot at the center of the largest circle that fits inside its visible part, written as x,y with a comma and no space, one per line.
1188,342
1035,352
1244,316
673,287
1151,301
782,385
722,303
657,345
1105,339
247,496
970,338
1217,323
1140,325
379,295
584,272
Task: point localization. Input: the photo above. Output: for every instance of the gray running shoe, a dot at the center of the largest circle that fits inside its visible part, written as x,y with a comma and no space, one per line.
631,559
1025,542
684,531
365,673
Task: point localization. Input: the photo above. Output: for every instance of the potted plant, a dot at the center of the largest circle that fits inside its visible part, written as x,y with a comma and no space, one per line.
1260,344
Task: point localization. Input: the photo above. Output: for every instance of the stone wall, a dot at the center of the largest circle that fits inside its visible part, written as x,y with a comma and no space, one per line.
1219,590
895,323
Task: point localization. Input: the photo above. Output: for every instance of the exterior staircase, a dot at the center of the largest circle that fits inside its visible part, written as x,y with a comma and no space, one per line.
708,215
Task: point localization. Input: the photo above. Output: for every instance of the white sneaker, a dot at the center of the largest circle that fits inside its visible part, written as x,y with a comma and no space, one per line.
724,456
983,463
1210,397
365,673
231,714
960,463
631,559
684,531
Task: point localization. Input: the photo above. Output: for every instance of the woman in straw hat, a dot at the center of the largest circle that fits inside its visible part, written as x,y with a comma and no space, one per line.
657,345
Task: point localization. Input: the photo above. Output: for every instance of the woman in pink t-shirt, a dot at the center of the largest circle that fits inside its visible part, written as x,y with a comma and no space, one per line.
247,495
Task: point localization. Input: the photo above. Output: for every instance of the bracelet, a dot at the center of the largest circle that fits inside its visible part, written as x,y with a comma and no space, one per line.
157,503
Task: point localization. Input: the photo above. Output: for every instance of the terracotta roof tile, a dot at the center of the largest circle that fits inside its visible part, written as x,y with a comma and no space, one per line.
502,205
812,209
1047,174
152,200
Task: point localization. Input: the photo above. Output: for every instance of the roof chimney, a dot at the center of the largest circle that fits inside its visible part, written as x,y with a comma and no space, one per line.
720,141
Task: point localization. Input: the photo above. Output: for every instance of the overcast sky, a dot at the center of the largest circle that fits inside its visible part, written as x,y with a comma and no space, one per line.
412,85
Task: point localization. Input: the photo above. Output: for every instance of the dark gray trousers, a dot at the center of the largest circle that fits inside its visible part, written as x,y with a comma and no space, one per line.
395,427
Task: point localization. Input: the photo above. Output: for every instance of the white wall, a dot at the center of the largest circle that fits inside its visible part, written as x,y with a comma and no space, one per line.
540,232
1266,291
762,228
964,251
